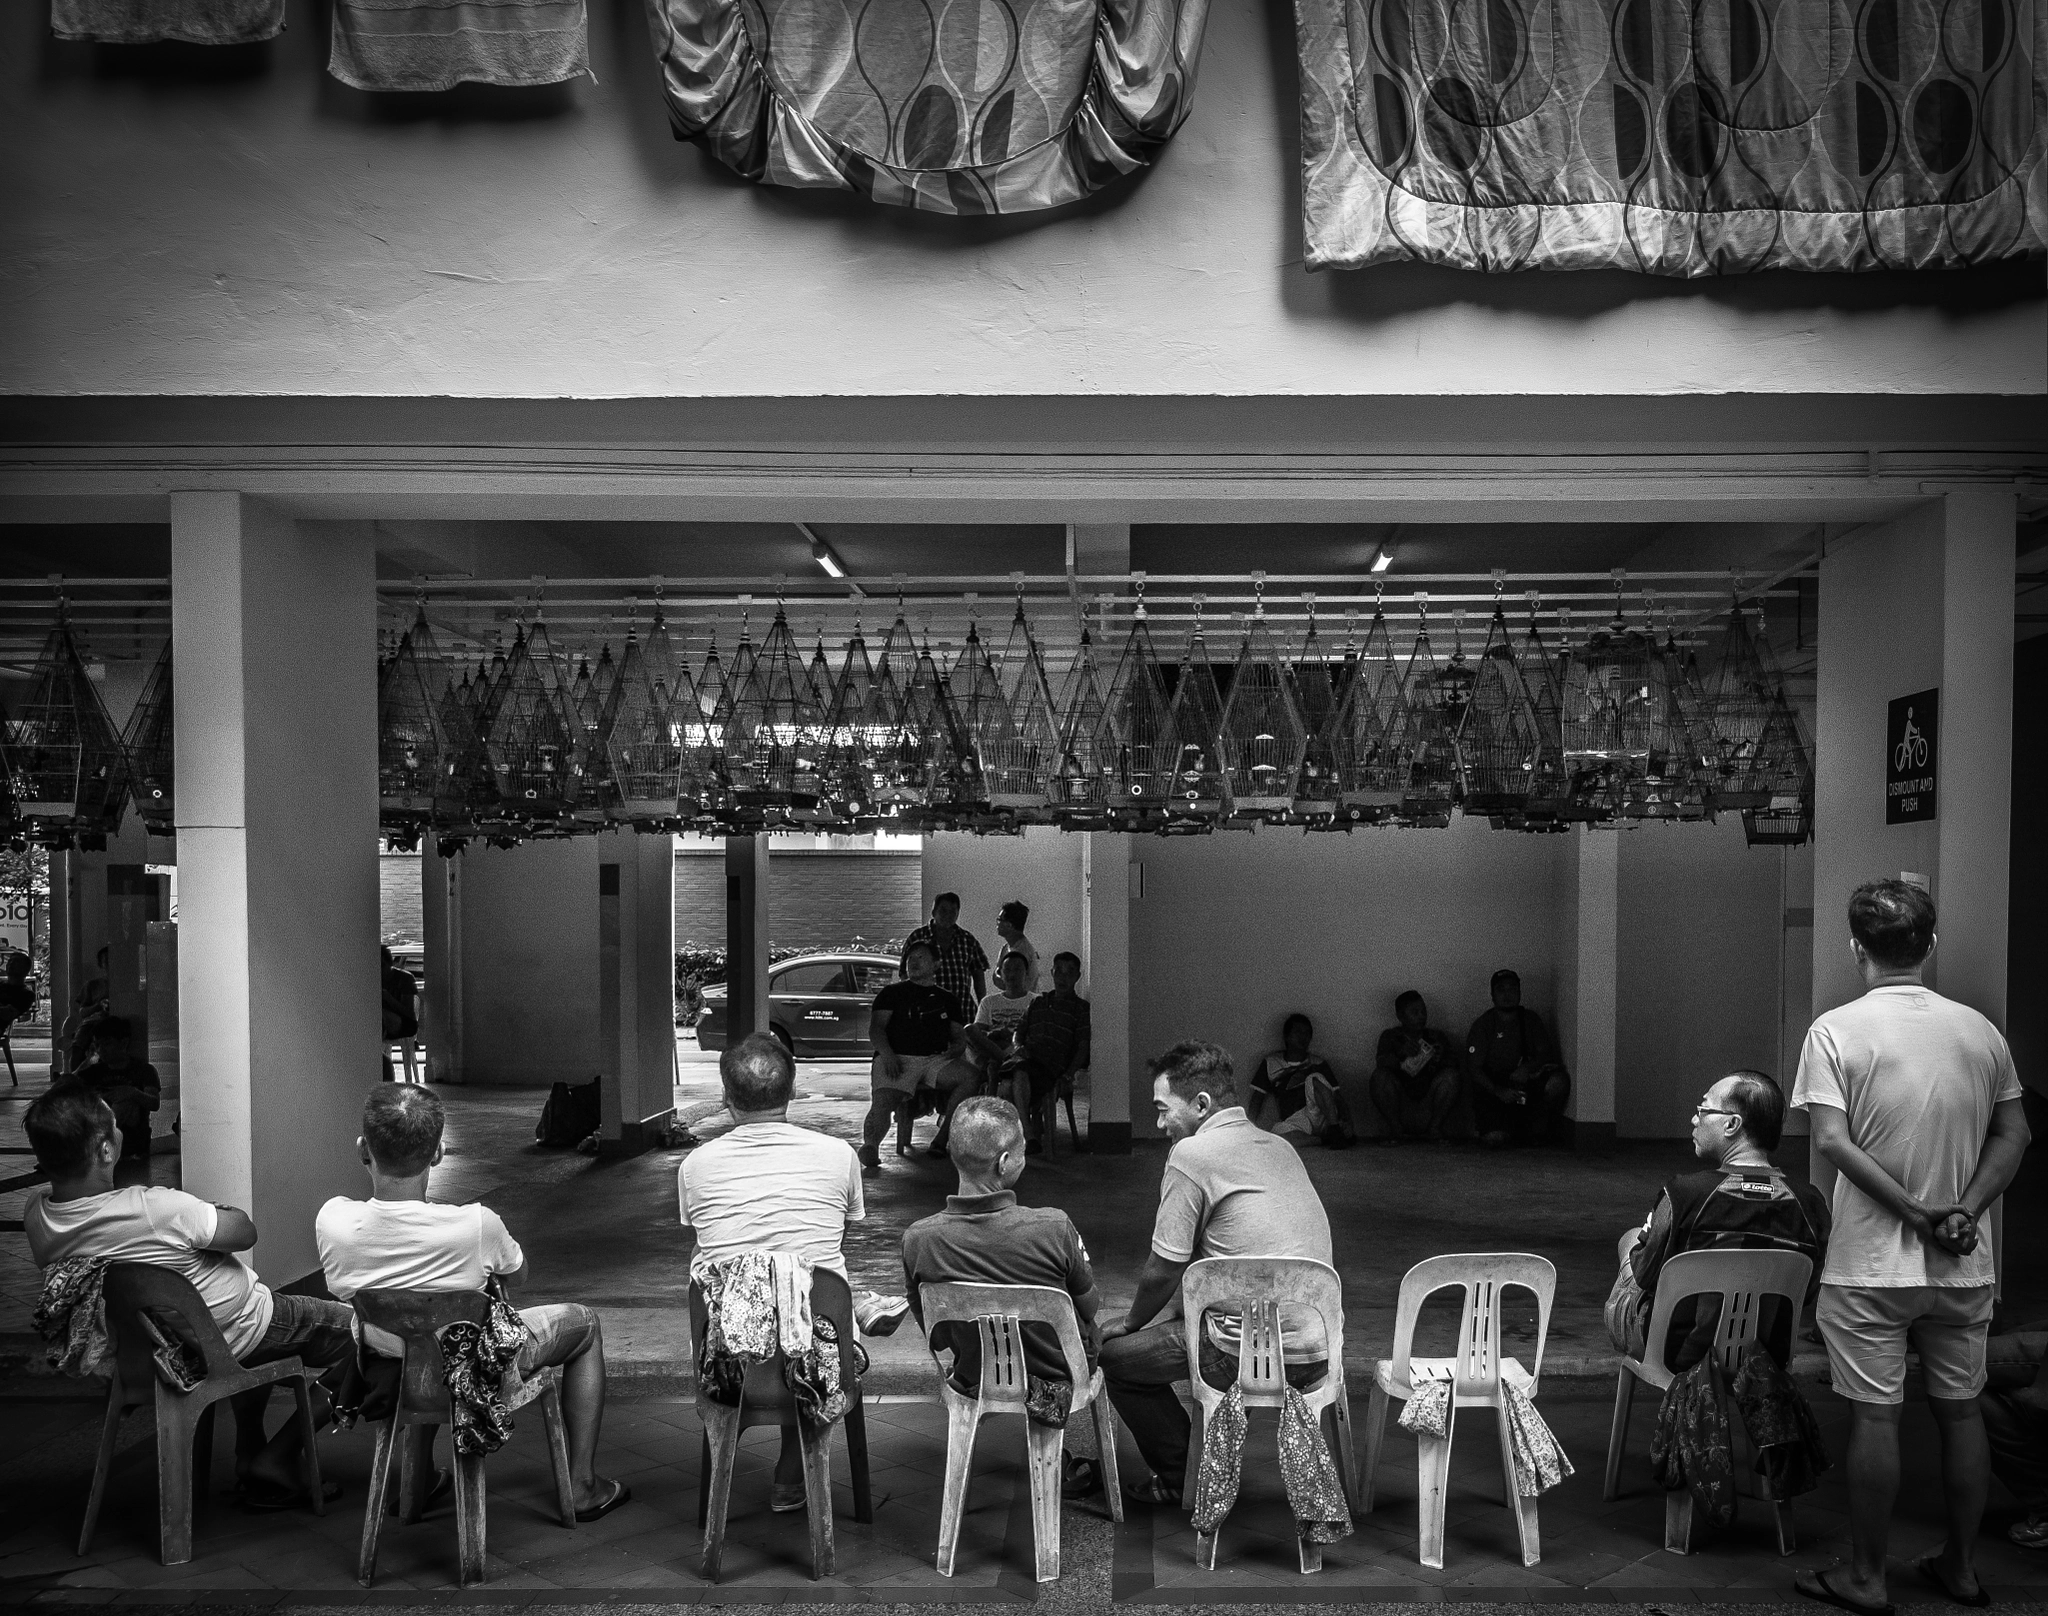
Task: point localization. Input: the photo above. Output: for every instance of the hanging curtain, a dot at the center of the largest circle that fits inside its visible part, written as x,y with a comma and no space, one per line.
1669,136
984,106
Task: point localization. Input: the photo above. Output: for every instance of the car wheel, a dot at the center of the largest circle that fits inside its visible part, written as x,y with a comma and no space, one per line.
782,1037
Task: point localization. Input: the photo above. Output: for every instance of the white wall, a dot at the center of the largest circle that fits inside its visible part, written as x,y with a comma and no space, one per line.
278,233
1042,867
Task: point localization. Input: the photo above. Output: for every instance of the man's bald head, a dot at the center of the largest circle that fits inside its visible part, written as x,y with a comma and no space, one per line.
984,1128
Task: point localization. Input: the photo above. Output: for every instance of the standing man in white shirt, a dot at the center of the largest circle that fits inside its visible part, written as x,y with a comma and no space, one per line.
1915,1103
399,1240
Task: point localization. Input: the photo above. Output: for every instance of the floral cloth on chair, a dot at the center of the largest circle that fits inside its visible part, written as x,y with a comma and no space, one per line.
1315,1494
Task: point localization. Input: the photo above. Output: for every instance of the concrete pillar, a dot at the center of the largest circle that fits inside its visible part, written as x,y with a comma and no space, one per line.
441,1008
1588,963
636,986
275,623
746,935
1118,1087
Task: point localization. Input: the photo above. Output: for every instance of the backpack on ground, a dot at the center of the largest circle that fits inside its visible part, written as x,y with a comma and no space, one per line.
573,1112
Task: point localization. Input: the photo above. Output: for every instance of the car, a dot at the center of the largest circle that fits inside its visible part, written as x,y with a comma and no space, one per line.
817,1003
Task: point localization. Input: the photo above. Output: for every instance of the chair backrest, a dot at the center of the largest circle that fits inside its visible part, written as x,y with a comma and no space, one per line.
1482,1276
1000,1312
1742,1279
1256,1289
130,1289
416,1317
830,1295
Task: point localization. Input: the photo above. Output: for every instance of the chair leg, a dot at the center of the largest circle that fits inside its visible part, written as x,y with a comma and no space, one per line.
857,1462
309,1442
1043,1445
1525,1508
174,1421
1193,1472
1311,1554
963,1419
110,1432
373,1500
1376,1402
1781,1514
415,1471
817,1449
1105,1442
1678,1521
11,1072
1346,1448
558,1453
721,1442
1432,1489
1617,1437
469,1520
202,1453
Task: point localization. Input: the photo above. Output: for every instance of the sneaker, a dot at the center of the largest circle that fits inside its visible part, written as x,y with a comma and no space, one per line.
879,1315
787,1500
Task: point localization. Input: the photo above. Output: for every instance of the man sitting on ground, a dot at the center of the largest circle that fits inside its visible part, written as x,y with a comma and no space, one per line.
1229,1191
769,1185
1414,1081
985,1238
1295,1092
131,1086
82,1214
918,1031
398,1240
1518,1088
1054,1041
994,1033
1741,1202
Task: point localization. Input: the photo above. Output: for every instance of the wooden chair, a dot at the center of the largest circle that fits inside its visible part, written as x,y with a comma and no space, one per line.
1477,1372
417,1318
765,1399
1256,1289
998,1313
184,1420
1742,1279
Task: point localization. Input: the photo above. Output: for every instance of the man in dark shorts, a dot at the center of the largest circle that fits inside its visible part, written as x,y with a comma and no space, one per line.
1518,1088
1052,1045
1414,1081
918,1030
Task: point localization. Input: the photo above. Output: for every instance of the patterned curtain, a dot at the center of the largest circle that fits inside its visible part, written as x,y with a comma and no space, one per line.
953,106
1675,137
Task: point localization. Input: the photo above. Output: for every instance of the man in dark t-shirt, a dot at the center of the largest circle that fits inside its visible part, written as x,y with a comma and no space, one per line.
918,1030
1518,1087
1054,1044
1414,1083
131,1087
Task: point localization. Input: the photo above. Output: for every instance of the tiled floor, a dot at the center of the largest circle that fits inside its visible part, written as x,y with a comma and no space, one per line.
1593,1552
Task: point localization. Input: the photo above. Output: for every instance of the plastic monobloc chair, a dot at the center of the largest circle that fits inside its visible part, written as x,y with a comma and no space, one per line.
1742,1279
765,1399
1477,1372
417,1318
998,1313
184,1420
1256,1289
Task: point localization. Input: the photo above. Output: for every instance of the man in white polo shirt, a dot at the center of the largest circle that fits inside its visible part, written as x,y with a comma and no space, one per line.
1231,1190
1915,1104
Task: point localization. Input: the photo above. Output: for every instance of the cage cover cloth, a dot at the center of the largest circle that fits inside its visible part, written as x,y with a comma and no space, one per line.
425,45
1669,137
146,22
952,106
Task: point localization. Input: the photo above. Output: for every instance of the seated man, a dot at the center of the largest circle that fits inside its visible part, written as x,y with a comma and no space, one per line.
1740,1202
1518,1088
398,1240
1054,1041
994,1033
770,1185
131,1086
1415,1079
1229,1191
82,1214
985,1238
1295,1092
918,1031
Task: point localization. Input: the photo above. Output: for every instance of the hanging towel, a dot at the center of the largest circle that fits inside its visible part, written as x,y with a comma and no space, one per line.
758,1304
1540,1463
425,45
1691,1448
477,1362
1315,1495
145,22
71,1316
1790,1451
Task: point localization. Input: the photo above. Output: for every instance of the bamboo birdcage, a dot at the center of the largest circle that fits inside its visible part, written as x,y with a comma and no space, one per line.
980,708
1751,752
1319,687
845,776
771,737
897,772
1500,740
1075,785
66,768
1023,748
932,734
644,756
1371,769
531,739
409,737
1786,819
1427,752
1134,742
152,754
1199,786
1260,735
1623,734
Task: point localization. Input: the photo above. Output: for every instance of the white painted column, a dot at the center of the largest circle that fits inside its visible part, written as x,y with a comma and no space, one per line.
636,986
441,1018
1108,877
275,624
1588,956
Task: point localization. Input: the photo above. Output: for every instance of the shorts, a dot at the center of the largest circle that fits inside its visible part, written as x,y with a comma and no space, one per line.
316,1332
912,1073
1867,1328
559,1333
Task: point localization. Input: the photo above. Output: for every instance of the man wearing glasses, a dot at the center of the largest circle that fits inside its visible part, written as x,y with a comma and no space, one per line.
1740,1201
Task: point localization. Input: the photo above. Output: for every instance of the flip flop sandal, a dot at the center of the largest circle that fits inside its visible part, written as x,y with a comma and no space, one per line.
1825,1592
1152,1490
1925,1568
621,1494
1080,1477
266,1501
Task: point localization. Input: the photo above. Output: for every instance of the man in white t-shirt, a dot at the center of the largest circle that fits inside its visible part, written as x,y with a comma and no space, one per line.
398,1240
1915,1104
78,1143
769,1185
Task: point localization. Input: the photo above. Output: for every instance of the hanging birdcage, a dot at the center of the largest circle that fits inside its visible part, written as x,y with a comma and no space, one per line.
897,772
1019,740
1319,688
1195,721
409,739
1075,785
1371,769
845,777
1500,740
1786,819
1433,699
1260,735
1615,717
771,737
932,732
466,793
531,741
152,754
981,711
1751,754
644,749
66,768
1134,741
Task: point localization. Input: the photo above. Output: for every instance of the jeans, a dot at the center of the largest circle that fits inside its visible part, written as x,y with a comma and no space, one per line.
1139,1370
314,1331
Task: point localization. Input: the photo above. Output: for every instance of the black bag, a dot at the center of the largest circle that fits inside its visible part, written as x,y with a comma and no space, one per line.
573,1113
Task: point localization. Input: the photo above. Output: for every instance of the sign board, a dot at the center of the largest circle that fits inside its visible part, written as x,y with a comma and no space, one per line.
1910,758
21,921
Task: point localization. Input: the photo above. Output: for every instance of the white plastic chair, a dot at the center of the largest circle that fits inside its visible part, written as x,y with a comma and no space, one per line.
1742,1279
998,1313
1256,1289
1476,1373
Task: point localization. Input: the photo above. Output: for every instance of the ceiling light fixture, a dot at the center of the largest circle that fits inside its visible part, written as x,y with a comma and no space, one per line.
1383,560
821,552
